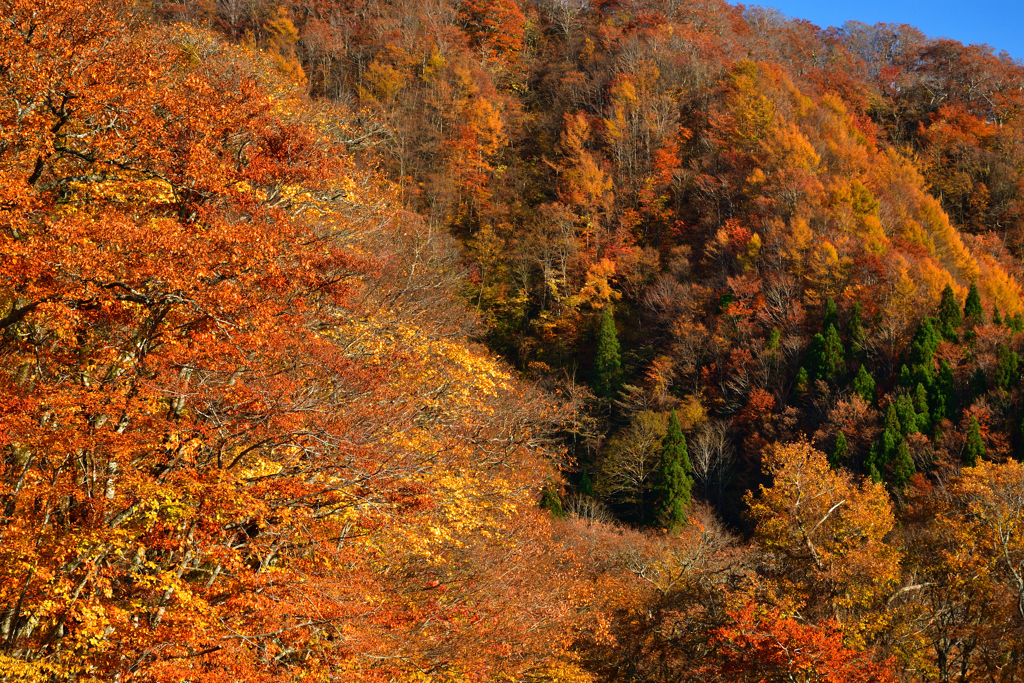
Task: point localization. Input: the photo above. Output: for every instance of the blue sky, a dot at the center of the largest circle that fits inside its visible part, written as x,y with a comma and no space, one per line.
999,23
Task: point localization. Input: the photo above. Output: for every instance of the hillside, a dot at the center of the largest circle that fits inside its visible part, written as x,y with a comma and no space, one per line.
493,341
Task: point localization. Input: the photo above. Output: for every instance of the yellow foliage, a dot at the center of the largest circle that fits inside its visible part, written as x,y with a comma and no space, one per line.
827,533
383,81
597,290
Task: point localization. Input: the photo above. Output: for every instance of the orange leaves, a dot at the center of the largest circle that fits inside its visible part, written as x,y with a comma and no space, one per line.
768,647
496,26
216,455
585,183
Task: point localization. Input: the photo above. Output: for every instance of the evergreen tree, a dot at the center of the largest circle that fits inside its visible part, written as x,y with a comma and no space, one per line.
551,501
1007,368
586,485
997,319
773,339
949,314
802,382
855,330
841,451
906,414
831,315
921,406
674,482
926,341
973,312
607,363
944,404
864,385
826,356
871,465
905,377
891,437
1016,323
975,447
902,466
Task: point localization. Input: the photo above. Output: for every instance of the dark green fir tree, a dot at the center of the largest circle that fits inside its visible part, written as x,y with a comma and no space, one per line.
551,501
921,406
945,393
840,452
1007,368
674,482
831,315
974,449
949,314
891,437
826,356
907,414
864,385
973,312
803,382
902,466
607,362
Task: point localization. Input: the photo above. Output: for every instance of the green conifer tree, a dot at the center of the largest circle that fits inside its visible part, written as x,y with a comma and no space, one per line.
891,437
551,501
906,414
802,382
974,449
826,356
926,341
831,315
586,485
855,331
871,465
921,406
973,312
997,319
949,314
674,482
833,361
864,385
607,362
840,452
905,378
1007,368
945,394
903,466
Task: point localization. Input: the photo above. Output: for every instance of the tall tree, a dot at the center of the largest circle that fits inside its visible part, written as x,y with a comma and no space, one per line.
674,481
974,449
864,385
973,312
607,362
826,355
903,466
949,314
840,452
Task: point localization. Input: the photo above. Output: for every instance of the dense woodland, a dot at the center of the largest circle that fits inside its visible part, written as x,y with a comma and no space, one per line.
501,340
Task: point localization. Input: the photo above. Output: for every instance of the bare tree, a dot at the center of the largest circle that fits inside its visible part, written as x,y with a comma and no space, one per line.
587,508
711,454
630,460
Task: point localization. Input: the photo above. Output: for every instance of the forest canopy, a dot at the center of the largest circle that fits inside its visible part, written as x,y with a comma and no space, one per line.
506,340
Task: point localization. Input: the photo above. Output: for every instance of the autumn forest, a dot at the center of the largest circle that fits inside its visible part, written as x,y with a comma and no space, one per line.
537,341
